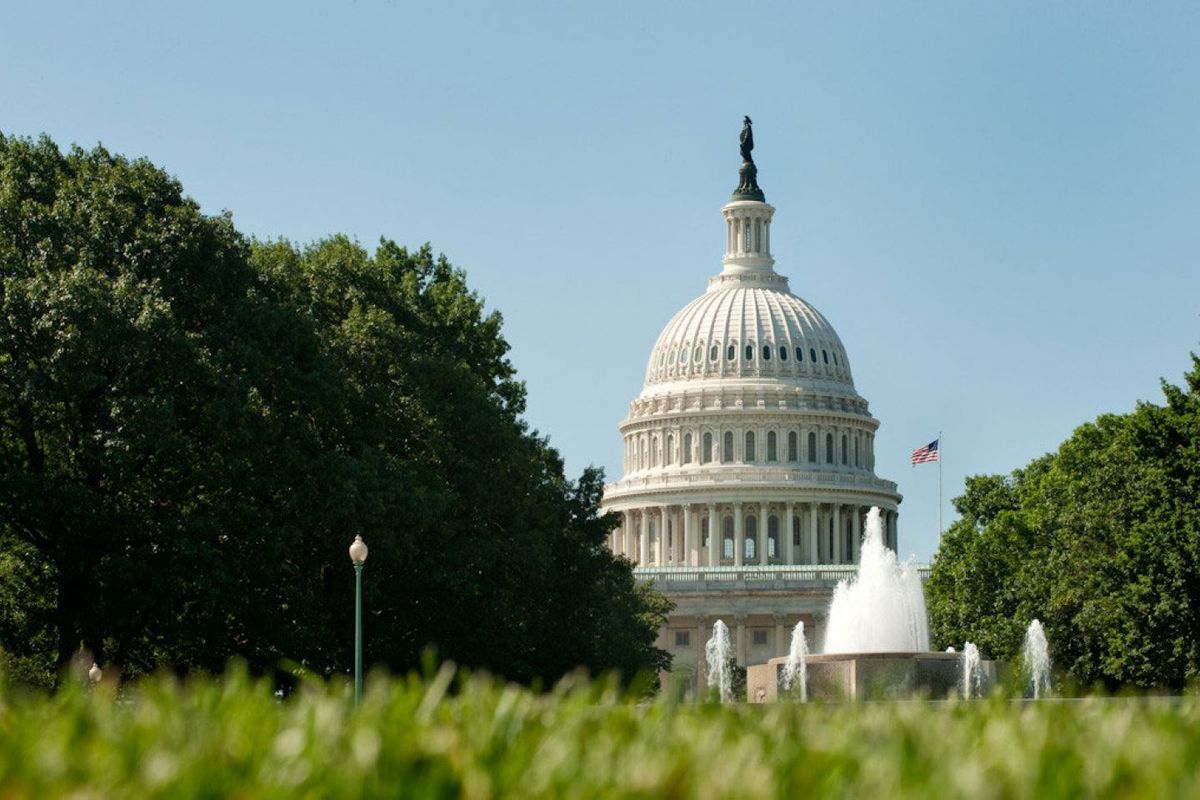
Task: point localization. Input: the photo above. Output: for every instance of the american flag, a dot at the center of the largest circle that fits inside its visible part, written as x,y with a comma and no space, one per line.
925,454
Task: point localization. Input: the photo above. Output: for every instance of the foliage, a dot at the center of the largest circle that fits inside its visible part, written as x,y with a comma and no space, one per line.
1100,540
471,737
192,428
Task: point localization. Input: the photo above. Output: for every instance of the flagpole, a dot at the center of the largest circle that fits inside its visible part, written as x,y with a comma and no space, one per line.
939,486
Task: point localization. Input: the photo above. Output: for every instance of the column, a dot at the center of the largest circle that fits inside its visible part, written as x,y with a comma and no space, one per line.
813,549
739,535
691,552
643,537
660,545
630,537
856,534
789,548
782,645
714,537
763,530
740,635
893,529
838,534
681,549
701,664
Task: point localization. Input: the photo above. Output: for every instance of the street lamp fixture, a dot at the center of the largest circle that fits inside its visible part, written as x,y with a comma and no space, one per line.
358,556
95,673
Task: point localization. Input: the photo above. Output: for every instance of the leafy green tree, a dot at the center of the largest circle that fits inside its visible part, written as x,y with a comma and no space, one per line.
193,427
1099,540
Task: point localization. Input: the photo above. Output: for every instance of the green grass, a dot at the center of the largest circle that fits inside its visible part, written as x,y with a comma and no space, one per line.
231,737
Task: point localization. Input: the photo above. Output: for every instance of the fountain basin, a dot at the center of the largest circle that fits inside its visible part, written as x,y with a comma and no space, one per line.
871,676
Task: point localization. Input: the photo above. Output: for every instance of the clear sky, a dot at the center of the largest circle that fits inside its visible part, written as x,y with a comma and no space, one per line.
997,205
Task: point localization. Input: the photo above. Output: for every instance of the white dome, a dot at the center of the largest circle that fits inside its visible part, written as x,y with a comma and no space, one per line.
735,331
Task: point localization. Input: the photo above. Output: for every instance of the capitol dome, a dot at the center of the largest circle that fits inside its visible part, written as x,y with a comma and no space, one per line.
749,457
749,332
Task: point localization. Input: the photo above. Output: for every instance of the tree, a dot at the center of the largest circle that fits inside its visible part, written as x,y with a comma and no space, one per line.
192,428
1099,540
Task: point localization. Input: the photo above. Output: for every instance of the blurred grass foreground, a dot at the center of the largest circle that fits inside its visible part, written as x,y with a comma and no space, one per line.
451,735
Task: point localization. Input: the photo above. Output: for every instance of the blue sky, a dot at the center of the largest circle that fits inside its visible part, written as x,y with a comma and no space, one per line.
996,205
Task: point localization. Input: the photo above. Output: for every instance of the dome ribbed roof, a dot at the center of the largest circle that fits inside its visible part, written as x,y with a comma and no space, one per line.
709,339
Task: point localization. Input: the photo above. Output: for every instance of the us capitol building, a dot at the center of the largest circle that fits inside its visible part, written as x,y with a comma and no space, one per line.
749,460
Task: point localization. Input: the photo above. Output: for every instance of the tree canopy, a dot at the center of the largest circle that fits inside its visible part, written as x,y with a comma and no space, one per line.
193,427
1099,540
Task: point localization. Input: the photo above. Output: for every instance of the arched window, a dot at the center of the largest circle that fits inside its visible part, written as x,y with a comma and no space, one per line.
727,449
845,451
654,452
772,446
857,463
731,352
829,448
714,353
669,456
687,449
704,531
750,352
698,356
706,452
812,447
800,354
812,352
766,350
783,354
750,455
773,537
793,446
825,356
751,537
835,361
727,538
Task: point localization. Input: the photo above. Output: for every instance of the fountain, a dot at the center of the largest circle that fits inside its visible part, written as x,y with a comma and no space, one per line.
796,667
882,608
716,654
877,641
1037,658
972,677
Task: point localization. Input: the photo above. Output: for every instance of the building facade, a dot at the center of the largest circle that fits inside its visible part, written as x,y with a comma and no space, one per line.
749,457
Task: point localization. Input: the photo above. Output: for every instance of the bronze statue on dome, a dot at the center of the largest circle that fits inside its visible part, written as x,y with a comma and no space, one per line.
747,140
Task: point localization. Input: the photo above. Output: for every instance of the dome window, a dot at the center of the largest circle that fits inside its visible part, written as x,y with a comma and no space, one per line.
812,352
845,451
687,448
714,353
698,355
783,354
766,352
799,353
706,451
793,447
671,359
731,352
727,450
749,352
825,356
829,448
835,361
683,356
750,453
727,538
772,446
812,447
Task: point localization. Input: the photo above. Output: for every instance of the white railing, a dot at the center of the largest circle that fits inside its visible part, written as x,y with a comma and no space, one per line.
772,576
720,474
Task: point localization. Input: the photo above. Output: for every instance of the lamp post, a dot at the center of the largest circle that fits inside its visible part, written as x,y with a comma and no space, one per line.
358,555
94,674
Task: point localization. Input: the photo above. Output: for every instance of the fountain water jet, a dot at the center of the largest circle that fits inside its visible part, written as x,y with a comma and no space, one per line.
716,654
796,664
1037,658
882,608
972,674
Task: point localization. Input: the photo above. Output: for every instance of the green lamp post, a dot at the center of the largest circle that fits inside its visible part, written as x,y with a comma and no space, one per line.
358,555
